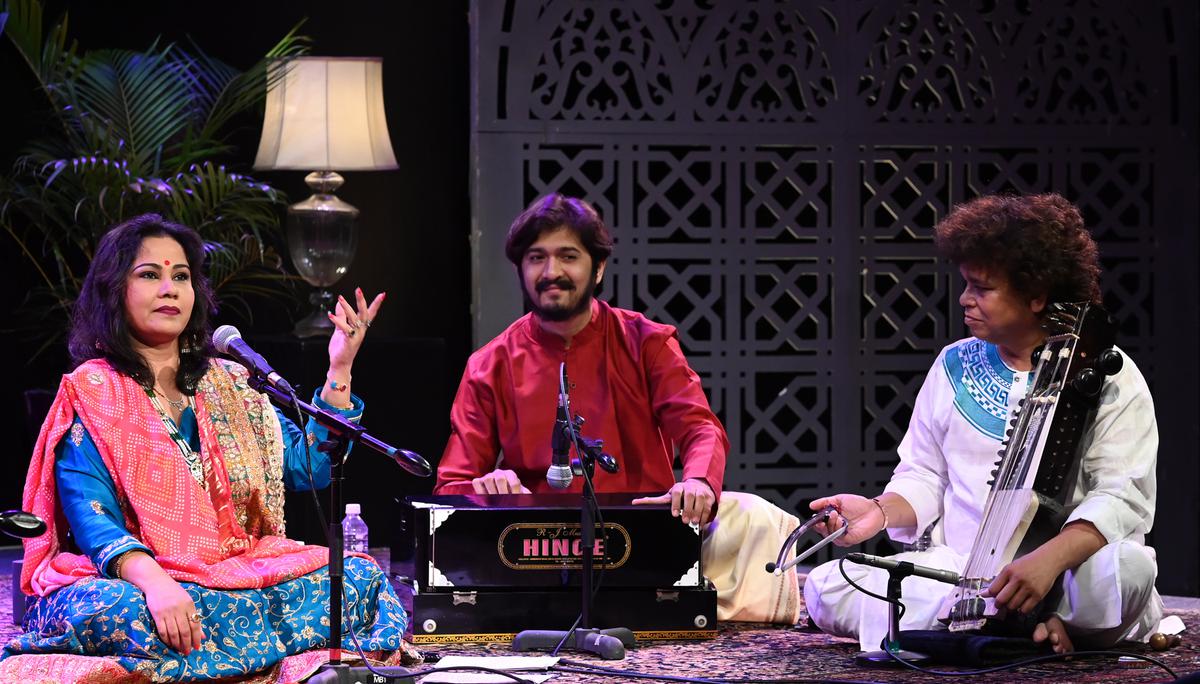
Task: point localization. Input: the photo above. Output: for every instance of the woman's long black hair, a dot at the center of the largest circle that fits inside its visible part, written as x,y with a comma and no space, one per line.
99,328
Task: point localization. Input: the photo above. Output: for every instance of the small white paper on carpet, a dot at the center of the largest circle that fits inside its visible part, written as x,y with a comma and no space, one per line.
480,678
522,664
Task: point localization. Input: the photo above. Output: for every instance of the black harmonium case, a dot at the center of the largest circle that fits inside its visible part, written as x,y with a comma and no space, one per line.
484,567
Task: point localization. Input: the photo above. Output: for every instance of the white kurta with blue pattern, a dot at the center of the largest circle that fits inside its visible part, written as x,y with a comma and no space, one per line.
946,458
952,442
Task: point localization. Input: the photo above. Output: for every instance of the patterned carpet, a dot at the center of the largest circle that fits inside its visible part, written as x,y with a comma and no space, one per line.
765,653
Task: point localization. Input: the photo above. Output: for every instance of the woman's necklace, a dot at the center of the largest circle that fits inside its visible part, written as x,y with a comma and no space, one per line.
194,464
176,404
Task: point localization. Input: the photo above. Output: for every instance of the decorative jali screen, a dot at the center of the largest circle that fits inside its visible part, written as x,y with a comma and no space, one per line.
772,172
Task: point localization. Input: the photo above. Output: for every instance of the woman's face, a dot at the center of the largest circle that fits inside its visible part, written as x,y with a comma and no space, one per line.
158,292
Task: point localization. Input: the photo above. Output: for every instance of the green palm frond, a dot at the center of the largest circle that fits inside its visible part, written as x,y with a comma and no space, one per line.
51,209
63,207
224,92
139,98
80,198
244,273
222,204
51,57
140,131
23,26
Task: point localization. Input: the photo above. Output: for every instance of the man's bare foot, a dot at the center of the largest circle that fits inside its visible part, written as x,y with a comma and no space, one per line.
1053,630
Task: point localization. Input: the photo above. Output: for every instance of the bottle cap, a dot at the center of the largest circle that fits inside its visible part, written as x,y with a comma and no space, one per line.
353,509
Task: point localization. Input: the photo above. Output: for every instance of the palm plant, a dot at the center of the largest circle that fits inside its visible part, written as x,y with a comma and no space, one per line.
134,132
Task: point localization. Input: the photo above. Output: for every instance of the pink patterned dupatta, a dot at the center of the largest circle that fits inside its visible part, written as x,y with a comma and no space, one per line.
225,535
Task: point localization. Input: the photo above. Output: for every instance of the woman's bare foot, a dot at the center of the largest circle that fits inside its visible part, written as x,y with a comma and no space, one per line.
1053,630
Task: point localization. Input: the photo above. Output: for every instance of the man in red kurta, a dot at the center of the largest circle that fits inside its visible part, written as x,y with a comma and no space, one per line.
628,378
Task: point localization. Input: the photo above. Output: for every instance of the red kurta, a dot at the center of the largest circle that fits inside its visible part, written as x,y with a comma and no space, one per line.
629,380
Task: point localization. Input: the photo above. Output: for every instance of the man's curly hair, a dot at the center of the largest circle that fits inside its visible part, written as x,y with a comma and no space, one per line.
1038,241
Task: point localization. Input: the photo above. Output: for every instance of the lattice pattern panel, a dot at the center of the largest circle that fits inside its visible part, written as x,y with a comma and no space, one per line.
772,171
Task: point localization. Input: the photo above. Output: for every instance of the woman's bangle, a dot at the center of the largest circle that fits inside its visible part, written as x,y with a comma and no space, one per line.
119,563
883,512
333,381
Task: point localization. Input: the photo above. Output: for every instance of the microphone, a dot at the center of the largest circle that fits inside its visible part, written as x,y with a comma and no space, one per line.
21,524
228,340
890,564
411,461
559,475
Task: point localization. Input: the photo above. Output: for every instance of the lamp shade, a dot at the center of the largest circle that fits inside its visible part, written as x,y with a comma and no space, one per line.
326,114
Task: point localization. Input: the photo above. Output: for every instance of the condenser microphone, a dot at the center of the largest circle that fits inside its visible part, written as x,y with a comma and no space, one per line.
892,564
21,524
228,340
559,475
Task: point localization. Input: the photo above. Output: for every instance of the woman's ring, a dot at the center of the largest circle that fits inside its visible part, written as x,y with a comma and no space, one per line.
194,617
352,332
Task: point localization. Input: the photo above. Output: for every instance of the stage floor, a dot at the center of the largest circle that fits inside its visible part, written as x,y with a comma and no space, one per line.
769,653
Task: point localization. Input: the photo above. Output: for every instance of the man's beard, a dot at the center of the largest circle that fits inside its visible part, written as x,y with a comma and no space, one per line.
558,314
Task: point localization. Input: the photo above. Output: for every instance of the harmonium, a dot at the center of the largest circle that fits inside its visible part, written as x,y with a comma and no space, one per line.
484,567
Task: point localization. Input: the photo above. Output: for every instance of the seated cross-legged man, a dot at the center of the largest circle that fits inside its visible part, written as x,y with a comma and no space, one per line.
631,382
1092,582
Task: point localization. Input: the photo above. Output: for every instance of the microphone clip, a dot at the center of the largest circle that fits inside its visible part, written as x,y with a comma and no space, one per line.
593,452
567,432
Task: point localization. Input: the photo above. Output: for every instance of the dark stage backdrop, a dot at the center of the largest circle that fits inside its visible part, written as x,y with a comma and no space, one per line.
772,172
414,223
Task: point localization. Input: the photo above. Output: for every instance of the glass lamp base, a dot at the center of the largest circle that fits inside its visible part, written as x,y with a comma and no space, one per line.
316,323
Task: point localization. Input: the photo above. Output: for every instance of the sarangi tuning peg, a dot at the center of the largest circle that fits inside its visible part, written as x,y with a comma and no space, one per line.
1110,361
1088,382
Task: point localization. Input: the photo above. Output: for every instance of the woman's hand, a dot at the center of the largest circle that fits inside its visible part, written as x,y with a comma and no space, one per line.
352,323
175,615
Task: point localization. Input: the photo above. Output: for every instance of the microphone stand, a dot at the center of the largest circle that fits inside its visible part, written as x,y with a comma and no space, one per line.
609,644
891,651
342,434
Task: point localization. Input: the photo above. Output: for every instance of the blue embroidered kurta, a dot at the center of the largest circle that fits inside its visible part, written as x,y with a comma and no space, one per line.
245,630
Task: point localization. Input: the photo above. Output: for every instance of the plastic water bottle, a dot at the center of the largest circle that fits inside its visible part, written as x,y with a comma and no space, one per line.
354,530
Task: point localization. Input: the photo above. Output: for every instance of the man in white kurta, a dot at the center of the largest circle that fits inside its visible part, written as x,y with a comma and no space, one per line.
946,458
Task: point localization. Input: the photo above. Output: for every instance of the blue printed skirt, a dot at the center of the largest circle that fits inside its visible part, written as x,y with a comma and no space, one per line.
246,630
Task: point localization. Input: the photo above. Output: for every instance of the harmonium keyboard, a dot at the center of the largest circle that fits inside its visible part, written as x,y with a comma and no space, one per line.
484,567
